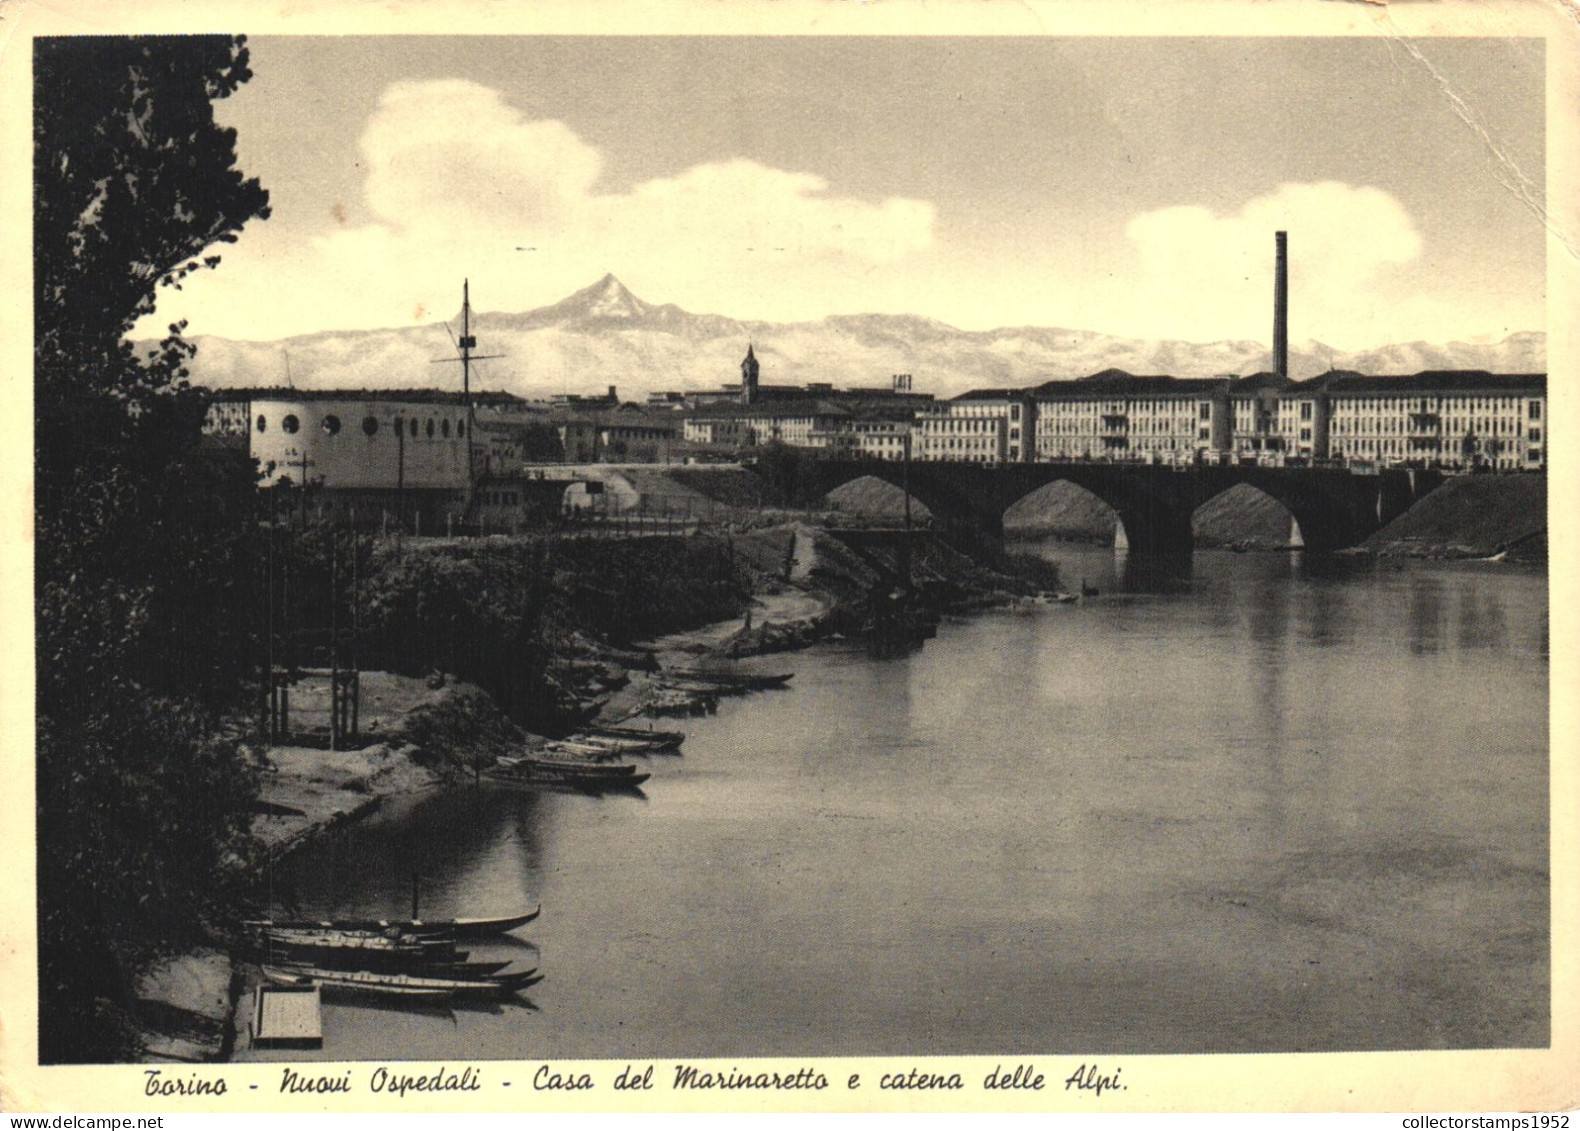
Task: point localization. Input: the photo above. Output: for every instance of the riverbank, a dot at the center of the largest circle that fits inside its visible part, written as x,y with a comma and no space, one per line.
797,584
1471,516
186,1005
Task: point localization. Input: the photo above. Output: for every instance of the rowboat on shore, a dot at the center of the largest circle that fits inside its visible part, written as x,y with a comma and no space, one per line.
402,985
728,682
567,762
332,954
600,746
317,933
562,773
393,942
591,751
691,686
658,739
455,928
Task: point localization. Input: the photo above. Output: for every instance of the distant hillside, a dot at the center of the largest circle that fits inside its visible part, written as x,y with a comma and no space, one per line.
604,335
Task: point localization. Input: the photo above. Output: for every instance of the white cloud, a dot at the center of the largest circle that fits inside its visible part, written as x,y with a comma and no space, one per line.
452,152
457,180
1209,276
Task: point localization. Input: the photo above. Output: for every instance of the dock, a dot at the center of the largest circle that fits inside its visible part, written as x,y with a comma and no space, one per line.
287,1017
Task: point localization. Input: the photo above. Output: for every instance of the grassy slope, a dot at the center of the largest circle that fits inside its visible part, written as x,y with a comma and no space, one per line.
1472,515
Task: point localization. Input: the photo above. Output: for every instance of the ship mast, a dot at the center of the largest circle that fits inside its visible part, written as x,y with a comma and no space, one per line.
468,343
464,346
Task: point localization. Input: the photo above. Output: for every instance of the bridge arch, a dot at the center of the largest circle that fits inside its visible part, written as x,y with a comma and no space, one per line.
1245,515
1334,507
873,496
1064,509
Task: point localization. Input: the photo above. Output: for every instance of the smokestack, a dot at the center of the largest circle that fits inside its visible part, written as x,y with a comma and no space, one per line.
1281,309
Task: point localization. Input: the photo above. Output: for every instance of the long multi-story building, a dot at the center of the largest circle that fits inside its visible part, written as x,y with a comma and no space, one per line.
1452,419
984,426
1455,418
1113,415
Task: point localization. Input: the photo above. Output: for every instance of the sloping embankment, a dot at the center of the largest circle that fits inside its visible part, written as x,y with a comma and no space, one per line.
1062,510
1472,516
1242,517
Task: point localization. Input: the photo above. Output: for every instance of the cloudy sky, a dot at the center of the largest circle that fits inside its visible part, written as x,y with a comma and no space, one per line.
1129,186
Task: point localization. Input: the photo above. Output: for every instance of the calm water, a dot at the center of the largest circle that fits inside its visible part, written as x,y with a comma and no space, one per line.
1276,805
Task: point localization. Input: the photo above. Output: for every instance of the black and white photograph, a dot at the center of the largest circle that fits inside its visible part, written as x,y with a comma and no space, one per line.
714,554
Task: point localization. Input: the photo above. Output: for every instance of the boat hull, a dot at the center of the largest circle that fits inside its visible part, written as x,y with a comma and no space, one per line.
401,985
456,928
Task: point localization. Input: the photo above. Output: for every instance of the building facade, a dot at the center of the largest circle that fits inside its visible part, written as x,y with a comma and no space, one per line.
985,426
1116,416
350,441
1456,419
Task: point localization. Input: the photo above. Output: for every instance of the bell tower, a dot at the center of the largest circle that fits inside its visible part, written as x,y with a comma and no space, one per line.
749,370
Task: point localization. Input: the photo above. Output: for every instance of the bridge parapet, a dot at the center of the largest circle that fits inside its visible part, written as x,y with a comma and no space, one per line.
1334,507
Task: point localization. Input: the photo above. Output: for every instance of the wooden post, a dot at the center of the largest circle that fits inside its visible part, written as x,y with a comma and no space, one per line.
334,643
356,627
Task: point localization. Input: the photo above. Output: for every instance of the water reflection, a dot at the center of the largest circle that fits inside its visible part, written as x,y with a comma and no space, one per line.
1426,613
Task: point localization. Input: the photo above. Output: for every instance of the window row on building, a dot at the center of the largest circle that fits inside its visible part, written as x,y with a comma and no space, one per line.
1449,419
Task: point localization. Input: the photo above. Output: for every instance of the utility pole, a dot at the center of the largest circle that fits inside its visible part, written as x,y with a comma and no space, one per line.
304,486
905,479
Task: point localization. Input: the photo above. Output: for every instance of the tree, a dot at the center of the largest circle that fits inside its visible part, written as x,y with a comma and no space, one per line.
145,540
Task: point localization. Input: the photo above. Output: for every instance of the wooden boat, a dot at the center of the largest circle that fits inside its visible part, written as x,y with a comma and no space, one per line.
586,751
597,746
535,773
401,985
663,739
466,969
697,686
412,960
456,928
568,763
731,682
353,934
364,942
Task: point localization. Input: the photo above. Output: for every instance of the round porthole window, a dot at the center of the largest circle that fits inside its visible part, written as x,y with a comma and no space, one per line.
370,425
291,424
332,425
263,424
444,428
460,428
430,428
414,429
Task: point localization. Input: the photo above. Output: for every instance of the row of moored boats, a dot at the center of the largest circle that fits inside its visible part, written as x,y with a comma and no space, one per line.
405,958
425,958
586,761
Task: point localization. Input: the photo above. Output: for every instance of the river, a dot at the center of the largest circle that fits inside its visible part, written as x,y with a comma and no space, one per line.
1248,803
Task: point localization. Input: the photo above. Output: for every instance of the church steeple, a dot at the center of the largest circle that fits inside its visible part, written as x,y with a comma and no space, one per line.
749,369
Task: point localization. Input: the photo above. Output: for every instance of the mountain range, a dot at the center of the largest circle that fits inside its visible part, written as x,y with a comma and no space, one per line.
604,335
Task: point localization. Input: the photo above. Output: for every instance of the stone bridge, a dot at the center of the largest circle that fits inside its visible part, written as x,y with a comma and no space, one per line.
1334,507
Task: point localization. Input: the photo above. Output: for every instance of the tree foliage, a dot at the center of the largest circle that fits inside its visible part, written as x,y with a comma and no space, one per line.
146,577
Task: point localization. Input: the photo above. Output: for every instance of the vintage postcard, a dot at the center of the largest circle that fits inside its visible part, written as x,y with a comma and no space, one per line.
807,557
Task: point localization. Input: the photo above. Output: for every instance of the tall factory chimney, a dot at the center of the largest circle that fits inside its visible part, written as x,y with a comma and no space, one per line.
1281,309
